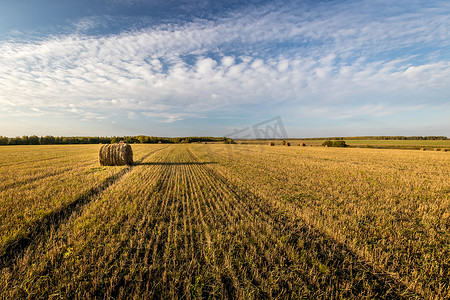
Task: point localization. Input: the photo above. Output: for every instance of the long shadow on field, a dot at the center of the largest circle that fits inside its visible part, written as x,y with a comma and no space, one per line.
30,180
56,218
344,264
187,163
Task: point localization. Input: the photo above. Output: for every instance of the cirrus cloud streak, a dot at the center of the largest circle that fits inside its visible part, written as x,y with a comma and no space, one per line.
341,59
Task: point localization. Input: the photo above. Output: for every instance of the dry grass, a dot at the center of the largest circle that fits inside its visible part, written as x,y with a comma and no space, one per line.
230,221
391,207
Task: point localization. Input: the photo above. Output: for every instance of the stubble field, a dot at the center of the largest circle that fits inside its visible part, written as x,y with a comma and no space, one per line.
224,221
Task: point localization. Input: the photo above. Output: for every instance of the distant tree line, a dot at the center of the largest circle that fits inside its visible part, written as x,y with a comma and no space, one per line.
142,139
382,138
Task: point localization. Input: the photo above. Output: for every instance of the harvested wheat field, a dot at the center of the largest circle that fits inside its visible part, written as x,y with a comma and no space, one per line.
118,154
224,221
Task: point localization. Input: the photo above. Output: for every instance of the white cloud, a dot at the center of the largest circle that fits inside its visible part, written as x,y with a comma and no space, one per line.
270,57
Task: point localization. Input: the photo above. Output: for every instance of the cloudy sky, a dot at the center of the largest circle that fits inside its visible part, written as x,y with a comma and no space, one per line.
207,67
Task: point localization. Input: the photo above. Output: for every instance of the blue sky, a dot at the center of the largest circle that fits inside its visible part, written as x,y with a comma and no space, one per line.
177,68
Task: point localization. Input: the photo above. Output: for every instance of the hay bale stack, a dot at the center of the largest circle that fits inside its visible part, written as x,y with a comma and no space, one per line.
118,154
271,144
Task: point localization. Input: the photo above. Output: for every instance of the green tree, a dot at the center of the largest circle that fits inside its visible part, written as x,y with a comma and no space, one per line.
327,143
47,140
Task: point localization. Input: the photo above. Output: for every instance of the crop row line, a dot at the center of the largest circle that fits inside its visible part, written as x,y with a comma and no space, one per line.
57,217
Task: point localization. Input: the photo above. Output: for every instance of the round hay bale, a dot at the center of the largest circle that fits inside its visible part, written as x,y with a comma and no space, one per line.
422,149
443,149
271,144
288,144
436,149
302,144
118,154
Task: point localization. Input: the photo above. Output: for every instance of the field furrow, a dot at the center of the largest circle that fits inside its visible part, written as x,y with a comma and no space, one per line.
86,229
213,221
274,226
34,216
372,210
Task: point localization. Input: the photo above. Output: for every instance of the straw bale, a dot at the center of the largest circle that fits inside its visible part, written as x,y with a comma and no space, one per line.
118,154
